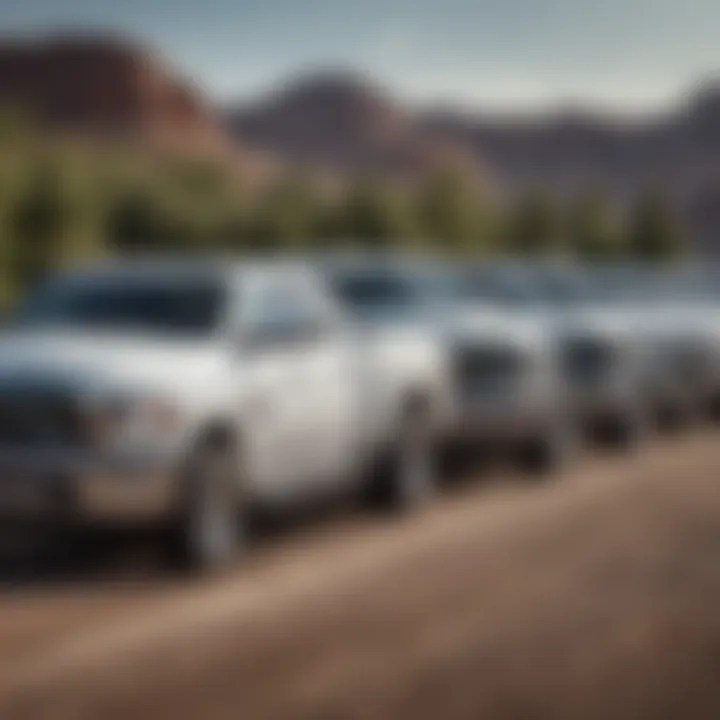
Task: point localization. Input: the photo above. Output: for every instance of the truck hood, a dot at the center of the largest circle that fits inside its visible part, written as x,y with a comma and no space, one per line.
527,324
94,361
507,327
602,321
463,324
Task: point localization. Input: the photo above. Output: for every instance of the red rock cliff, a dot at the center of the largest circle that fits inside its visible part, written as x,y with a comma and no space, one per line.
103,86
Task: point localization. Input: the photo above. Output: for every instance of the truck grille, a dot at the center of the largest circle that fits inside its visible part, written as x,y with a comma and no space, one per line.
485,370
40,420
686,365
587,360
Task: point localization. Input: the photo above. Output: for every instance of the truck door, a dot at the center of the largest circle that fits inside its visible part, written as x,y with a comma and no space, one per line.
300,389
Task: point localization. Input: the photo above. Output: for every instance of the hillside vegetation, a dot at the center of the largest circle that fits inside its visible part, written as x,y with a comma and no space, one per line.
62,202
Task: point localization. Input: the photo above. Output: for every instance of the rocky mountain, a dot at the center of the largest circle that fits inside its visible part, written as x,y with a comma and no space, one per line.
347,125
343,125
676,154
105,87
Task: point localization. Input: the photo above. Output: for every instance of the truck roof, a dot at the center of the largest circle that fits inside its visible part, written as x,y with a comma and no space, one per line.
220,266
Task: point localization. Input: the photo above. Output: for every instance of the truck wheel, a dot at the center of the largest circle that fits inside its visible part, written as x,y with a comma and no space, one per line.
712,408
406,477
550,451
629,430
209,532
677,419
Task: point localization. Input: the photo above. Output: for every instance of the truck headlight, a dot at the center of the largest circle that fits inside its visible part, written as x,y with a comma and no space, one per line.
131,420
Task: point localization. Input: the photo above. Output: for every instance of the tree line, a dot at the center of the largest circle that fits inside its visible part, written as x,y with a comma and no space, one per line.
60,204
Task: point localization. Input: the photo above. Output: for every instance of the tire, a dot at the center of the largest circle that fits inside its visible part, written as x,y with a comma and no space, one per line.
406,476
549,452
712,408
629,430
209,531
676,419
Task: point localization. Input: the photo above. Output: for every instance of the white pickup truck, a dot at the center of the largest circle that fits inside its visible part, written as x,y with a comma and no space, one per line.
632,354
595,345
186,392
505,384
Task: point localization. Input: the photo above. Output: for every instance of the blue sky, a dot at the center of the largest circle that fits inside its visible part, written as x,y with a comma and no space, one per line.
626,54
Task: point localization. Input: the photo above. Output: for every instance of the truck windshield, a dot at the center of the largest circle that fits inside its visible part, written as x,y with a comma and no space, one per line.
499,285
563,288
624,284
186,306
373,291
393,291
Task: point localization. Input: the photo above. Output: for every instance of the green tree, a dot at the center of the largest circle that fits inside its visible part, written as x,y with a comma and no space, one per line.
653,231
286,217
15,125
195,178
40,223
7,284
136,220
328,230
233,229
535,226
6,189
595,231
451,212
375,215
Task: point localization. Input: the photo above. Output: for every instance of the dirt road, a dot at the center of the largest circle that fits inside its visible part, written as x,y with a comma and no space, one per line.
594,596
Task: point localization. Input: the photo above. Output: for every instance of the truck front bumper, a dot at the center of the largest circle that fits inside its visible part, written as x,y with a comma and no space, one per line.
81,489
506,418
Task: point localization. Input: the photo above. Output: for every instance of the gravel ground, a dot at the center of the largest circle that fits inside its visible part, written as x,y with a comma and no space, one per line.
592,595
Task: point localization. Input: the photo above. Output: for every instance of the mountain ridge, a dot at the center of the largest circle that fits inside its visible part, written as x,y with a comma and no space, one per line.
344,125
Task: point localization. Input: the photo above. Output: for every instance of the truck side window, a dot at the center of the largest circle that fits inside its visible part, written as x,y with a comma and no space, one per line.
287,315
495,288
